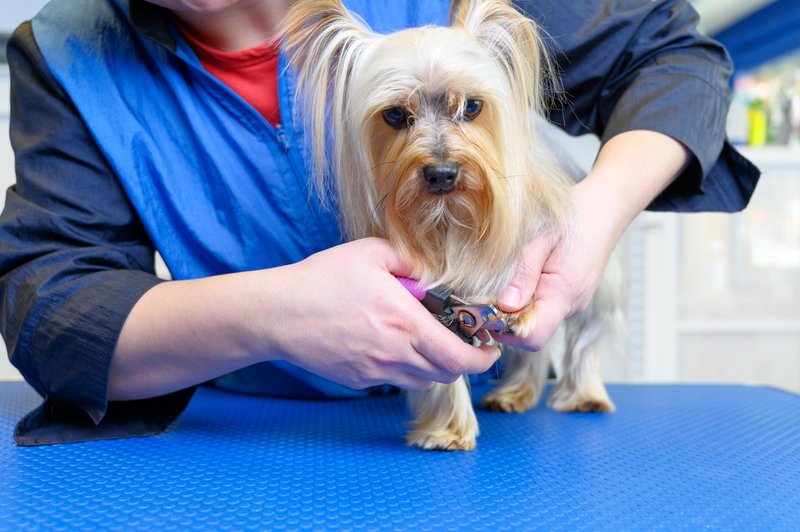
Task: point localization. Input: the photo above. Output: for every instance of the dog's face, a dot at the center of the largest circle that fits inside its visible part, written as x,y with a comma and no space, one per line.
427,133
429,102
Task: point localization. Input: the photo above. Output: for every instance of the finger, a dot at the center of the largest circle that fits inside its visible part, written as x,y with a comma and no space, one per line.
410,382
414,372
449,353
550,314
445,377
520,291
422,367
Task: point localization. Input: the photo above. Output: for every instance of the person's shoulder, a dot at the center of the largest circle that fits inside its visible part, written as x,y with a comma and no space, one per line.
80,20
21,39
78,10
27,66
67,30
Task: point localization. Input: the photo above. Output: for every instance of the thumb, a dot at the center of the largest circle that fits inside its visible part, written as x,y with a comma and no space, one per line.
383,254
520,291
551,309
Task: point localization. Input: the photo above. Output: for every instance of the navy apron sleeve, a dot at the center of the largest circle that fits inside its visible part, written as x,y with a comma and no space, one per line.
74,259
641,64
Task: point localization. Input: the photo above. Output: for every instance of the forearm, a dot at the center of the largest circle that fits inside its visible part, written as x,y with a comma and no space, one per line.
630,171
643,66
182,333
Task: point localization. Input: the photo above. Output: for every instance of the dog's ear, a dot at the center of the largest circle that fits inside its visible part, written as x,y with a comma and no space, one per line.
323,42
460,9
515,42
458,12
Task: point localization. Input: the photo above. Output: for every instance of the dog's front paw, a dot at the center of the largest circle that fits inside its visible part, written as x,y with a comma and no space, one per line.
565,399
519,398
523,323
448,439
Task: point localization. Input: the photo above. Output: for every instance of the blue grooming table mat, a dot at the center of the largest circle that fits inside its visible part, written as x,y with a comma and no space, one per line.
724,457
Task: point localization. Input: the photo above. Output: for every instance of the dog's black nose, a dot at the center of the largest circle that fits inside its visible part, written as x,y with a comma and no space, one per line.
440,177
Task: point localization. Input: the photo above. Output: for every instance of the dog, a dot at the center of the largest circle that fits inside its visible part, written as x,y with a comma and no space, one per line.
429,137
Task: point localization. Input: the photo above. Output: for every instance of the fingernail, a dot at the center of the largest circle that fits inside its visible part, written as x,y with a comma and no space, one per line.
511,296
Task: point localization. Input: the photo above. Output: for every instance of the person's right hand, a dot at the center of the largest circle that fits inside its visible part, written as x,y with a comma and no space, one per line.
340,314
343,315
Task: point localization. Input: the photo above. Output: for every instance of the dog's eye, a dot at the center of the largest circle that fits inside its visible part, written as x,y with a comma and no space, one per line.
397,117
472,108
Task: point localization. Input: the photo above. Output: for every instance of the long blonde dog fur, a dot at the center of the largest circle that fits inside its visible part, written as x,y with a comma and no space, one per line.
428,137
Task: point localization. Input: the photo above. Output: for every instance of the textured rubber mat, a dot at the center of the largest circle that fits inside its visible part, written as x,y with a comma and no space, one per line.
671,457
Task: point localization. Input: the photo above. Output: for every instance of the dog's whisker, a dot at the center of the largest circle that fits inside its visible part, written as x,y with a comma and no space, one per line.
381,164
500,175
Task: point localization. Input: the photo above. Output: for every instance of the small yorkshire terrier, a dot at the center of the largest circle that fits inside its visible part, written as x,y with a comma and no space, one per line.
428,138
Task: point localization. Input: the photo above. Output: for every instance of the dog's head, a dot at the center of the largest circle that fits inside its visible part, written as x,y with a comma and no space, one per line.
427,134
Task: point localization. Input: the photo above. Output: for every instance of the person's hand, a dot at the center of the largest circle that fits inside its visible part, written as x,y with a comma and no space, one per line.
346,317
561,275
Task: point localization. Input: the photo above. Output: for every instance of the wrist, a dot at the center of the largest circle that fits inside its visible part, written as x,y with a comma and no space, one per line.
600,201
256,309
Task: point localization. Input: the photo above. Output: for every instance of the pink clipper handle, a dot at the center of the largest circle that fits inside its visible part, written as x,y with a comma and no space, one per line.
414,287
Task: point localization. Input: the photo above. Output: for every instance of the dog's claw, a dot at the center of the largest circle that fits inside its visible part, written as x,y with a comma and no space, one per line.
595,407
593,400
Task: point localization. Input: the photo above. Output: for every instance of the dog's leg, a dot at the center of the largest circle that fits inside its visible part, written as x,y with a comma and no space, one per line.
521,384
589,336
443,418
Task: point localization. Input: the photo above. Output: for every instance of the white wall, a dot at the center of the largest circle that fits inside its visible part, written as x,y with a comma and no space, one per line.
13,12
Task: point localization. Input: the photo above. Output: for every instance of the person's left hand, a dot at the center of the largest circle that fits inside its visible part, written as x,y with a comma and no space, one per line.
561,276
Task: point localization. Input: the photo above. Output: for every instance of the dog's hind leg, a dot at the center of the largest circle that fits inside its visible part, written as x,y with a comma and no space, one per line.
589,336
521,383
443,418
